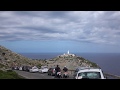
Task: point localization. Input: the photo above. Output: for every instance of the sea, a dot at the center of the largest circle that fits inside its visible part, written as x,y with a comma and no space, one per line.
109,62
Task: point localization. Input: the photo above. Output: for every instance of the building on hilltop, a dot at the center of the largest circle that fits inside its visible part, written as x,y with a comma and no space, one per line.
67,54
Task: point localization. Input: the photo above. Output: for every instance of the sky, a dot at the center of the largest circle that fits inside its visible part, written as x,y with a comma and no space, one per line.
60,31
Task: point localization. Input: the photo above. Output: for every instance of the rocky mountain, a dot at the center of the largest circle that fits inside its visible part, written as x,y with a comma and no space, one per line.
71,61
9,58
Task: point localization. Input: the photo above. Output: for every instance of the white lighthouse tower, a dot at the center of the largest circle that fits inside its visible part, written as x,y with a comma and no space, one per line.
68,52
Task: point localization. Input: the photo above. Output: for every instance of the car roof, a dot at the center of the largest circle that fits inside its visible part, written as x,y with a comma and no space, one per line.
44,66
81,68
51,68
90,70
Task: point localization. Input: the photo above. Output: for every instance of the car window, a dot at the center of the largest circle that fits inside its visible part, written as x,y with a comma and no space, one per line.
50,69
91,75
45,68
34,68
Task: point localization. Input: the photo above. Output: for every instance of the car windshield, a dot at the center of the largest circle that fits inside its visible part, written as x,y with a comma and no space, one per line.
90,75
34,68
44,68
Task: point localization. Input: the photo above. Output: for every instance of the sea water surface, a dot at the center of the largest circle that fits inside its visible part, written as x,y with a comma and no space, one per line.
109,62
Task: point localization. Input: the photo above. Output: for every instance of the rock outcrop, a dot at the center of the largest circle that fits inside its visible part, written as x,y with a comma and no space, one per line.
9,58
71,61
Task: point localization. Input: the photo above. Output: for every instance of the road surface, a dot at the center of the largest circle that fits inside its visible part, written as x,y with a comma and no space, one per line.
37,75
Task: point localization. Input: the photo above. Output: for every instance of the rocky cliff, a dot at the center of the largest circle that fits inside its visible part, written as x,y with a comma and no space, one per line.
71,61
9,58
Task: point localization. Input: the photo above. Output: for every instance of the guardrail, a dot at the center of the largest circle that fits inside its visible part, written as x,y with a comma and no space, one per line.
107,75
111,76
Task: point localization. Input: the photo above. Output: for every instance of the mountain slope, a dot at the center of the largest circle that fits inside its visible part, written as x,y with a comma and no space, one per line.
9,58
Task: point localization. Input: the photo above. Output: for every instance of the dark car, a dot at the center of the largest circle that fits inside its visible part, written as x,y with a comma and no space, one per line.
26,68
51,71
15,68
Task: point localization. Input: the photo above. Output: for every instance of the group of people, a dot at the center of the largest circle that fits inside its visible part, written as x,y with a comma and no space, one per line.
57,69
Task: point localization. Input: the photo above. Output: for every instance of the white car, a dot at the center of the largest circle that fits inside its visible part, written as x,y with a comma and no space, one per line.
20,68
34,69
43,70
78,69
90,73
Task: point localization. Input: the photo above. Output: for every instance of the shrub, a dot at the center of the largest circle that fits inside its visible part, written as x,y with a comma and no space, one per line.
9,75
39,65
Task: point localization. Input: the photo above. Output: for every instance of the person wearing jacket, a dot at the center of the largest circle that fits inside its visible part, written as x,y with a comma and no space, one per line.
65,69
57,69
65,72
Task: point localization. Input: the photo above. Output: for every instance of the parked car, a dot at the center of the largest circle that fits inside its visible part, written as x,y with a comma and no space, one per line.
34,69
20,68
28,68
51,71
90,73
24,68
15,68
43,69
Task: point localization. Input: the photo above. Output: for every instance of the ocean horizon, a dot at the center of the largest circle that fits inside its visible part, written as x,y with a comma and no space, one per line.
109,62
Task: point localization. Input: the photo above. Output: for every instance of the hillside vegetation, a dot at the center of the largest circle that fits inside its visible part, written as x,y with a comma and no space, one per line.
9,75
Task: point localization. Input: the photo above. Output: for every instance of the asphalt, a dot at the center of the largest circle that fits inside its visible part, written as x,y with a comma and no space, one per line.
37,75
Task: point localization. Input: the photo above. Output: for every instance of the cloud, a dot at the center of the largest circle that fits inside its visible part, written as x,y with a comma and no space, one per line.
83,26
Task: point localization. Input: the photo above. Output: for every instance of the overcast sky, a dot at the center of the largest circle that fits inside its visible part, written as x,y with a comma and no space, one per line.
59,31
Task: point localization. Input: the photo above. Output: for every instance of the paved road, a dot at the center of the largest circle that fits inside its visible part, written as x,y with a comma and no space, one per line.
38,75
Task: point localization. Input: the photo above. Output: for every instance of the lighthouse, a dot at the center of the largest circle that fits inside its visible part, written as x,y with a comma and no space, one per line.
68,51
